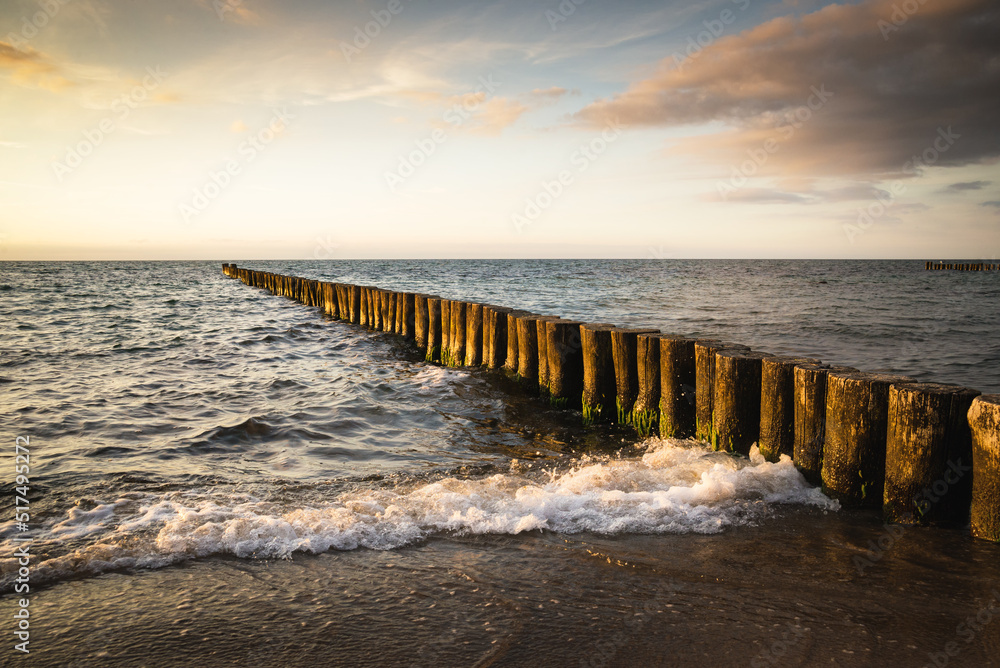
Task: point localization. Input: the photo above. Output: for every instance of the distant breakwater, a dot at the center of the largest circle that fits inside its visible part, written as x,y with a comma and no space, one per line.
924,453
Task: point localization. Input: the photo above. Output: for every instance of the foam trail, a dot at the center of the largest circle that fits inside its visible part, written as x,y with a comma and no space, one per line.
674,487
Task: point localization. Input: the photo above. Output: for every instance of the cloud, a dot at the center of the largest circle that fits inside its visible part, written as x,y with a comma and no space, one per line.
547,95
890,94
803,194
30,69
994,203
238,127
967,185
495,115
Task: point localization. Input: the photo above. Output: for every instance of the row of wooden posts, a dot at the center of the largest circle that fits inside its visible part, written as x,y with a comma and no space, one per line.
973,266
925,453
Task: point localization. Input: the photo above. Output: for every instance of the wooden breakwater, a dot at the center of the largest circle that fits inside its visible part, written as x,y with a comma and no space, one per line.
924,453
961,266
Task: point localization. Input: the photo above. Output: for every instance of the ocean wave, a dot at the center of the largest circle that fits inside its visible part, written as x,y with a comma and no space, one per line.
673,487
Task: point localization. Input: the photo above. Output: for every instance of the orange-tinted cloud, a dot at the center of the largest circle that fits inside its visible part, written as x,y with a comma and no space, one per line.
28,68
895,79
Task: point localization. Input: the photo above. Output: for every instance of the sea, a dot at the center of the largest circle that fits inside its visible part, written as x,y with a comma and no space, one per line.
217,476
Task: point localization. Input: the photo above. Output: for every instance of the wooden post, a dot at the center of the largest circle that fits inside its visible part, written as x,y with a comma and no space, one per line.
511,363
564,357
527,351
420,321
494,336
623,353
542,337
330,299
857,415
677,386
810,418
445,332
927,444
777,405
433,348
646,409
984,419
386,303
365,311
736,406
408,323
704,360
473,334
456,348
392,318
599,388
355,304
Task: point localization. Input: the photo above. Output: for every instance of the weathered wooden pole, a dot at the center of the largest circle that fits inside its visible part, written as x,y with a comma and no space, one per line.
542,338
704,359
473,334
736,405
433,348
511,362
445,332
527,351
387,302
777,405
810,418
456,337
330,299
927,445
494,336
355,304
599,388
408,323
564,362
420,321
623,354
380,308
646,409
677,386
984,420
374,308
342,310
365,311
857,416
391,302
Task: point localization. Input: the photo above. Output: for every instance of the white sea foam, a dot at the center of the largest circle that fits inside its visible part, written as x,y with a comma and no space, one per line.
673,487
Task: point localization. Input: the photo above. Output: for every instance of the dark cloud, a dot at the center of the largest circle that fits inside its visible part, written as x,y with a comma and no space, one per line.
967,185
898,82
994,203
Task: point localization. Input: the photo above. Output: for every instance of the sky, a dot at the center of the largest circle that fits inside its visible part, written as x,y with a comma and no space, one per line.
300,129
